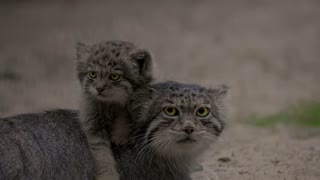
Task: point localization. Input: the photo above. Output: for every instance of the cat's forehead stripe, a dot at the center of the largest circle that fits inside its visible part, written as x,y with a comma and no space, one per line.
106,68
106,63
187,99
107,52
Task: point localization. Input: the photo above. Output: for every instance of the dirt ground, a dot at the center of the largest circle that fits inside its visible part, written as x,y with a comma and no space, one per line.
267,51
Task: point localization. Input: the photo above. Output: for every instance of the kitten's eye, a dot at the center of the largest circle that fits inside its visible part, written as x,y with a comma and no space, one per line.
171,111
203,112
92,74
115,77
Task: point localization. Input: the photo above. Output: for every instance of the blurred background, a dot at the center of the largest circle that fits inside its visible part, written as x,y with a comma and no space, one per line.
267,51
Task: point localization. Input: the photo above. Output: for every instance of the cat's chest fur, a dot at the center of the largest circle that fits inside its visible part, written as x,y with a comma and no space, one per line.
104,116
137,164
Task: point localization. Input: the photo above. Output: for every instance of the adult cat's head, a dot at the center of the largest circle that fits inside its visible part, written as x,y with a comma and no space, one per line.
177,119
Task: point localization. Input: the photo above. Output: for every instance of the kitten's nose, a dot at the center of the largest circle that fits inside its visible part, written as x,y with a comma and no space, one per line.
100,89
188,129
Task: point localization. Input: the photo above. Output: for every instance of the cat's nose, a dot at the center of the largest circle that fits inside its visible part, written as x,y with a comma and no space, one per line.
188,129
100,89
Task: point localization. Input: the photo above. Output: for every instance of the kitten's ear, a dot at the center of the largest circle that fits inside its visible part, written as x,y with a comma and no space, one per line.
83,51
219,92
144,61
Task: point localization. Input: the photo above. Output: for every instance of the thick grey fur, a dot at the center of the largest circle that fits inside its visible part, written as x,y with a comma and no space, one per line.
52,145
44,146
144,158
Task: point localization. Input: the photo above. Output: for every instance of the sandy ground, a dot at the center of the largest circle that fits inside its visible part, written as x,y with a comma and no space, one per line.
267,51
250,154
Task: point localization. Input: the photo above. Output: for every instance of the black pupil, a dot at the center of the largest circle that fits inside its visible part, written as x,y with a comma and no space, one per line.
170,110
201,110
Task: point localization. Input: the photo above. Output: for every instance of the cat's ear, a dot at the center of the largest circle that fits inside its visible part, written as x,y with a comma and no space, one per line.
83,51
219,92
144,61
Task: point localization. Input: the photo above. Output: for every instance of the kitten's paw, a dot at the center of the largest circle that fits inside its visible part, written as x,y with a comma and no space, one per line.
119,140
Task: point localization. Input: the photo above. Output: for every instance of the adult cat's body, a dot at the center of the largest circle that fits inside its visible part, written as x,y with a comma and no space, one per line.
164,144
109,72
47,146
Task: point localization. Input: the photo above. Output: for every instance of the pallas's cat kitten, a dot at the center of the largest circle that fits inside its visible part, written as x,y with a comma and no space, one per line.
172,124
109,72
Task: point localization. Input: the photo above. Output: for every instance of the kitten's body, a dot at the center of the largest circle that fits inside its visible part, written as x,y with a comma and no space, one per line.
105,117
109,72
47,146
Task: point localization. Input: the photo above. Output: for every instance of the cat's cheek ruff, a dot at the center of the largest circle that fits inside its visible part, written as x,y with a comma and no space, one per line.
213,127
162,142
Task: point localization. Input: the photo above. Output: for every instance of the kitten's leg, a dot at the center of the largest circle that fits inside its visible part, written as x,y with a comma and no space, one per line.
120,130
105,165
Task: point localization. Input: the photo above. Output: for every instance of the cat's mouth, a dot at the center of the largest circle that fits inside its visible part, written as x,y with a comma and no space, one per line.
186,140
102,97
104,94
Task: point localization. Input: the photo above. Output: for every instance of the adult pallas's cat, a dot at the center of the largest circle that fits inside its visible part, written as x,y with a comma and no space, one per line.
48,145
173,123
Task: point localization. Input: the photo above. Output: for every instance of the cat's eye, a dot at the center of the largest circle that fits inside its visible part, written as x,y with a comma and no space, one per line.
115,77
203,112
171,111
92,74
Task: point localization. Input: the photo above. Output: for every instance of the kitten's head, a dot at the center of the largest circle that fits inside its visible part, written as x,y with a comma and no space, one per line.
111,70
178,119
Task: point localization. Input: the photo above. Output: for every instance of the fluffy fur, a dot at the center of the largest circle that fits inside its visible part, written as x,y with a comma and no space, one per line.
52,145
109,72
163,146
47,145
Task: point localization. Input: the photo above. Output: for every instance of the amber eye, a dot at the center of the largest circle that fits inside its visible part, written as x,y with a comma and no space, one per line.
92,74
203,112
171,111
115,77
